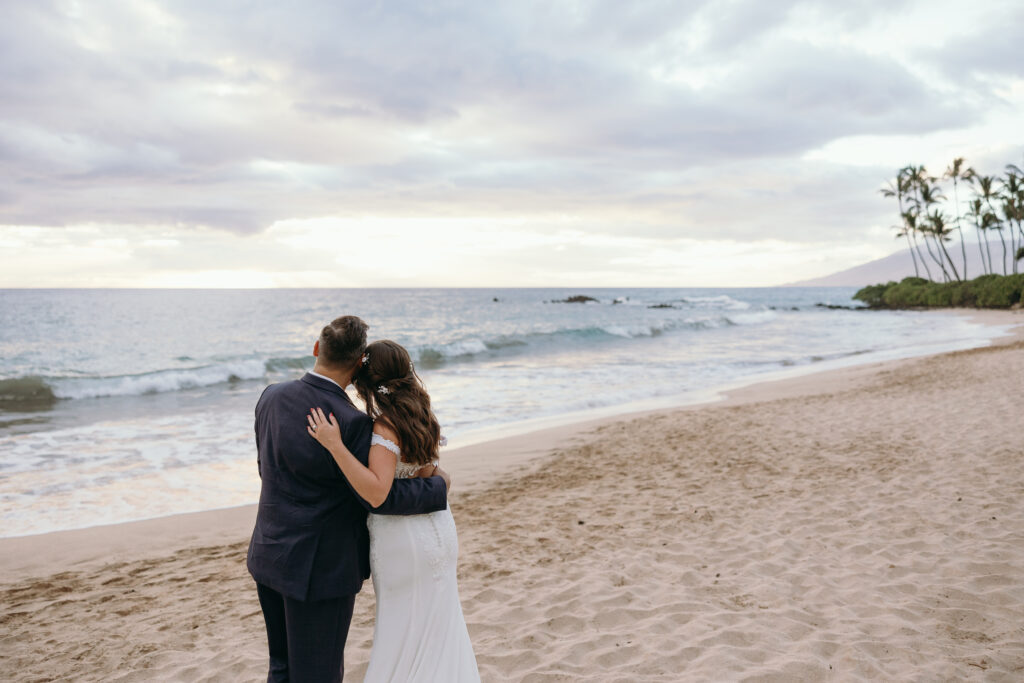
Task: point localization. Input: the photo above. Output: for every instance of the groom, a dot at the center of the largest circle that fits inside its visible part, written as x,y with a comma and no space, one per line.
309,552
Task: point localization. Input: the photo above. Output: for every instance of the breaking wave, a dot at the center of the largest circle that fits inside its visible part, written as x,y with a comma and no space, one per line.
36,392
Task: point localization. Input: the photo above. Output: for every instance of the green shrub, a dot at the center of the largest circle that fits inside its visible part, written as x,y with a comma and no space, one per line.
910,292
872,295
962,295
986,291
999,291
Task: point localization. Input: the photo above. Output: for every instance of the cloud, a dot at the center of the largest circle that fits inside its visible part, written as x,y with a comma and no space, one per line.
664,119
986,55
347,253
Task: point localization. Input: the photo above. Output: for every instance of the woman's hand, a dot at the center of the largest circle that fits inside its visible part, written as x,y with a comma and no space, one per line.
324,430
372,483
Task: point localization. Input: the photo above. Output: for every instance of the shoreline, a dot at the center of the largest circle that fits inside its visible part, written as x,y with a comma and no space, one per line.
26,556
984,317
106,461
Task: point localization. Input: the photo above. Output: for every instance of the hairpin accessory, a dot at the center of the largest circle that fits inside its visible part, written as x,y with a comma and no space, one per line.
365,359
381,389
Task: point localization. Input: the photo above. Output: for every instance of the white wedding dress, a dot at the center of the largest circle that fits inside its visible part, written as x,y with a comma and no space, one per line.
420,633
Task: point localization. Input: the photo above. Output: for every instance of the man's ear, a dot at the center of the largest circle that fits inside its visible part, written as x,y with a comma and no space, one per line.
316,349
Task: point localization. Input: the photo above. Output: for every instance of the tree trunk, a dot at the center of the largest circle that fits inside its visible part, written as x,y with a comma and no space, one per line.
906,233
1013,248
910,247
1020,229
1003,240
951,266
981,251
927,270
945,275
963,248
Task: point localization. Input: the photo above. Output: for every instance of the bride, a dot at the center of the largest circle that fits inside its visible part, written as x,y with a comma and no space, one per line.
420,633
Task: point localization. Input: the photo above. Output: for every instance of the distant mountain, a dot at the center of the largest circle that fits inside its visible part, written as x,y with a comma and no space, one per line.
899,265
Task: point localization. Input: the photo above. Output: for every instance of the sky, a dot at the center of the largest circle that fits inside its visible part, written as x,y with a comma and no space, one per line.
188,143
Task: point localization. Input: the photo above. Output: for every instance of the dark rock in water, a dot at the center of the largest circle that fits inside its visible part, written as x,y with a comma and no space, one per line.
834,307
495,298
575,299
661,306
23,394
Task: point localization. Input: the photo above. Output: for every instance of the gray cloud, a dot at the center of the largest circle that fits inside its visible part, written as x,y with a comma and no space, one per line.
983,58
232,115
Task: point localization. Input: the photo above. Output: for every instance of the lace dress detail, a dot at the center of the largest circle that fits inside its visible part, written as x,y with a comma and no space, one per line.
403,470
420,633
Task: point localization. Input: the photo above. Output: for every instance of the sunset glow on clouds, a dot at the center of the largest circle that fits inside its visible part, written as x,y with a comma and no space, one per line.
460,144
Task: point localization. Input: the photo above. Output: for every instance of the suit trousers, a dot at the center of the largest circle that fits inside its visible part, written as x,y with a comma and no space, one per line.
306,639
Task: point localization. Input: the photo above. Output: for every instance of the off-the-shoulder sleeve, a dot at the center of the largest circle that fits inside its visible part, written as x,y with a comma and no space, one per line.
378,440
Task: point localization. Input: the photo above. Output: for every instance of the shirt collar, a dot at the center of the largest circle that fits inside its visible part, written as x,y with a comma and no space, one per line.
317,374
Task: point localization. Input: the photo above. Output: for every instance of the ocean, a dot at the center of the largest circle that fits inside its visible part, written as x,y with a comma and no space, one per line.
119,405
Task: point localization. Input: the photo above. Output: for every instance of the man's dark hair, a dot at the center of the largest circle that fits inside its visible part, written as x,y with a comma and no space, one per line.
343,341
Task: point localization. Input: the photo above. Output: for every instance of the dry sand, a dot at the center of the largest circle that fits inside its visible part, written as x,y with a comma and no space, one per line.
862,524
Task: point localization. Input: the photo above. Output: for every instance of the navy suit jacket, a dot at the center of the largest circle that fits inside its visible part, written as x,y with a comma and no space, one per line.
310,540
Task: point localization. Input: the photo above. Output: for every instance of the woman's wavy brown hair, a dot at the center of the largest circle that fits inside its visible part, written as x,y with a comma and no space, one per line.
403,405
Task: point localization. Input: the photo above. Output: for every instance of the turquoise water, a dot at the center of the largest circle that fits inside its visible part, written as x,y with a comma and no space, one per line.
127,404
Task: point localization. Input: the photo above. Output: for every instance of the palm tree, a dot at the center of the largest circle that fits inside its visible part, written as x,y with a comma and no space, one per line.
912,176
1013,209
898,188
986,192
975,211
997,203
910,220
931,195
990,221
1019,199
956,172
926,195
940,231
1009,209
998,227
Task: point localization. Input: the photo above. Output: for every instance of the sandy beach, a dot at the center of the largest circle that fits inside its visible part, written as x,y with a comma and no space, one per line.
857,524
